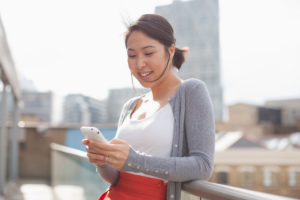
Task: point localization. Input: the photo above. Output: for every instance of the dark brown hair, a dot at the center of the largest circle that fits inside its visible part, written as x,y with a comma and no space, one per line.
158,28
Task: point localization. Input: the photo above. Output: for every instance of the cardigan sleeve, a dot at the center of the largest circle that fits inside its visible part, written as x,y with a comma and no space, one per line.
108,173
200,133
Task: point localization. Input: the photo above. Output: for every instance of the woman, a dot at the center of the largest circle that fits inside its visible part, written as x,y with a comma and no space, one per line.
164,137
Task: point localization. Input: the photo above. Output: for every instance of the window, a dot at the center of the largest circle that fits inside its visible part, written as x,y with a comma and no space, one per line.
222,174
247,179
247,176
271,176
222,178
294,176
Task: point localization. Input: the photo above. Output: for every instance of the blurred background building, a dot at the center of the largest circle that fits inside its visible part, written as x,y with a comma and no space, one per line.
84,110
291,110
262,163
262,120
26,84
196,25
37,106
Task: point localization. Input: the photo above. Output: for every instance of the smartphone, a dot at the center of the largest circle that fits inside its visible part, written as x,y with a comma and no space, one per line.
92,133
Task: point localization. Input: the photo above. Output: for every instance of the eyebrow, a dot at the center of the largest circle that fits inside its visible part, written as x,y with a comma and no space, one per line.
142,48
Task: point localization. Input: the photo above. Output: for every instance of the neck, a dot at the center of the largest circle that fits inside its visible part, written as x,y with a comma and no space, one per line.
167,83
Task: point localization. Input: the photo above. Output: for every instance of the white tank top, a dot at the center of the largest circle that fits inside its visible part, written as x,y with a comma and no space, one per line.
152,135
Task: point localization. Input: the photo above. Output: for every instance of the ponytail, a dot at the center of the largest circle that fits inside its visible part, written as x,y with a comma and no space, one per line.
179,56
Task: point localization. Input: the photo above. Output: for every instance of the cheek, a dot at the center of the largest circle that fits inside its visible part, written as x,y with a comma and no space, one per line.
156,63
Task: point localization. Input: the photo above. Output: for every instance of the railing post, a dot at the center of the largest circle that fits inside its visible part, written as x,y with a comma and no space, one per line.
14,147
3,140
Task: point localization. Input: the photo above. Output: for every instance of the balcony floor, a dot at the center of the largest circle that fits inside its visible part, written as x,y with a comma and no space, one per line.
32,189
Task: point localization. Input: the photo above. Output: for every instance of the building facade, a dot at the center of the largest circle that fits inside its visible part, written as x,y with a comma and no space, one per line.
27,85
269,164
196,25
291,110
85,110
256,120
38,104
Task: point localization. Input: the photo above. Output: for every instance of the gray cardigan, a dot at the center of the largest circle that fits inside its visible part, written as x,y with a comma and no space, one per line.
192,155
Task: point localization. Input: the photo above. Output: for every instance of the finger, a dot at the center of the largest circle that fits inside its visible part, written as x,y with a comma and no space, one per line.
90,150
85,142
95,149
104,152
98,150
97,162
117,141
94,156
102,145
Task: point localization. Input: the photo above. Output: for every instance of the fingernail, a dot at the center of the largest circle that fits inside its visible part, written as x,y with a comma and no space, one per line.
101,157
87,155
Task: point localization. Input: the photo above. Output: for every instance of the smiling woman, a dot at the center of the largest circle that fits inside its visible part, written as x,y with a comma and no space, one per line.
164,137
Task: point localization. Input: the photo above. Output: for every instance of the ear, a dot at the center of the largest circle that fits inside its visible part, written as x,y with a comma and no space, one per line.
172,51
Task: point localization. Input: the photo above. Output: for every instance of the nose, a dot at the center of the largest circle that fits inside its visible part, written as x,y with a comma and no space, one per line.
140,63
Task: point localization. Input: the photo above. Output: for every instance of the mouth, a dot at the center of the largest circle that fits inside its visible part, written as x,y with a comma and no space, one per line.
145,75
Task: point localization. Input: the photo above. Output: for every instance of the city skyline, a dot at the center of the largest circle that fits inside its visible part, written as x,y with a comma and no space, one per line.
258,62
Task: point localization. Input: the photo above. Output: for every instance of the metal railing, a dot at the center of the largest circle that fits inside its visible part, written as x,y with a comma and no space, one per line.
71,171
216,191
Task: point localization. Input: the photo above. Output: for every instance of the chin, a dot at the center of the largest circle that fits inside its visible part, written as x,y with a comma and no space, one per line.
145,84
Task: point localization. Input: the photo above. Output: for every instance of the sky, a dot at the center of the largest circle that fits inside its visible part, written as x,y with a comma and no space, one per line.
72,46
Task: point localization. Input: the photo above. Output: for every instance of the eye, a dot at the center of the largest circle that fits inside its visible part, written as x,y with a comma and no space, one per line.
148,54
131,56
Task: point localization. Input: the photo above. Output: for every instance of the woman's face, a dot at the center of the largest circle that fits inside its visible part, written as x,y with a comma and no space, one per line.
147,58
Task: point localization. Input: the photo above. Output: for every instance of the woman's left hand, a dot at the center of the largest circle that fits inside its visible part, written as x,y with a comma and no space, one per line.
117,151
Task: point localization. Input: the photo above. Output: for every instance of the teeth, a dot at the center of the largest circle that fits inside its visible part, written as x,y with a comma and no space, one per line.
145,74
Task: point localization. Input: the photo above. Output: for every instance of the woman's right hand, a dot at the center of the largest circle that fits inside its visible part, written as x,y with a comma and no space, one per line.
101,157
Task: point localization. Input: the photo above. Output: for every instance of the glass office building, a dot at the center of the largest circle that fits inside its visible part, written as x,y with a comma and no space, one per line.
82,109
196,25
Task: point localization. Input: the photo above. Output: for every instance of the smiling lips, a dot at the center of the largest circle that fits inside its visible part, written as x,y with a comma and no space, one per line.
145,75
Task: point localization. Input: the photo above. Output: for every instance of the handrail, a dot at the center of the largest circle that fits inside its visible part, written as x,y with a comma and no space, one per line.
68,150
199,188
216,191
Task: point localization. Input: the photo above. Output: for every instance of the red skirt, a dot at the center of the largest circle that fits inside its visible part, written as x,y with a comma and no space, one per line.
136,187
